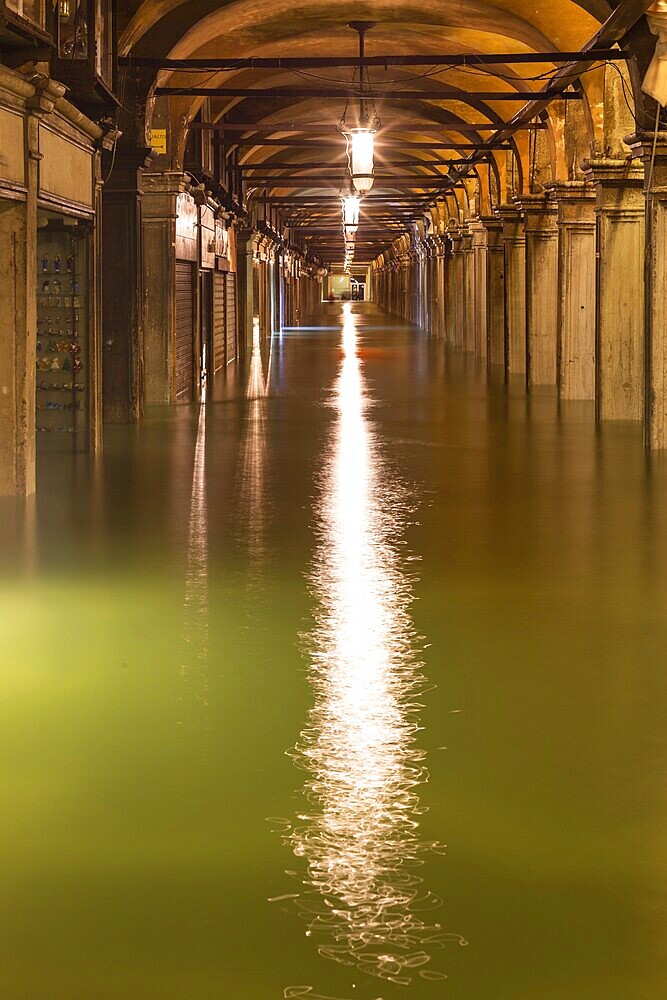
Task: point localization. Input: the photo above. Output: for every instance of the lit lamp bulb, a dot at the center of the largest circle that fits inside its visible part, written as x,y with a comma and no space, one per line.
351,206
361,143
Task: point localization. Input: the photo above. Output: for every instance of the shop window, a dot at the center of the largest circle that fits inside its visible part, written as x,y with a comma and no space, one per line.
63,353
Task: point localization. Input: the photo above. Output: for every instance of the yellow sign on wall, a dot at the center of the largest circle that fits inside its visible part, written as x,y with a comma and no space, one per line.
159,140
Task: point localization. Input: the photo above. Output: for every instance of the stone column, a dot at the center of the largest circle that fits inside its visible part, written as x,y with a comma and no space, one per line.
441,283
406,287
541,223
514,256
122,288
417,307
469,289
654,156
245,245
620,283
576,289
429,291
159,211
435,293
457,286
495,292
480,279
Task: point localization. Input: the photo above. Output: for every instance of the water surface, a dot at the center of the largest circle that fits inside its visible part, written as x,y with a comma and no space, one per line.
348,684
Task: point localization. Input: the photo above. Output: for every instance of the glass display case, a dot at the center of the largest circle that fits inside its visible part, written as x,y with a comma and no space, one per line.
25,25
31,10
85,43
62,336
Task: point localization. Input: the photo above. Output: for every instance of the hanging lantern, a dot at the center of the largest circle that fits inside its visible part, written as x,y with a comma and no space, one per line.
361,156
351,206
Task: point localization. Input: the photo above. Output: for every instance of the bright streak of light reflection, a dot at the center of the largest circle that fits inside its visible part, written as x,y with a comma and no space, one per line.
194,668
364,902
252,498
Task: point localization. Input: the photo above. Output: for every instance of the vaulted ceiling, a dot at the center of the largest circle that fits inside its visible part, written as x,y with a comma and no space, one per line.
431,114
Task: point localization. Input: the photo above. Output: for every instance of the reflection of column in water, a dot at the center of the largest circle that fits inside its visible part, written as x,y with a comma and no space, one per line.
252,499
365,903
194,668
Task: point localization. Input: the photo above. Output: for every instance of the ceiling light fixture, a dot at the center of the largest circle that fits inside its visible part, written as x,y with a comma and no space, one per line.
361,139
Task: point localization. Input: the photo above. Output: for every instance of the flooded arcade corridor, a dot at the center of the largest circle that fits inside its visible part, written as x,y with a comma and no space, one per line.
347,683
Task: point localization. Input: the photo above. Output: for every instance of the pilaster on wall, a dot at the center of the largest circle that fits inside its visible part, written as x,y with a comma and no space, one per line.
514,259
576,289
653,152
541,224
619,210
245,248
122,289
18,254
159,212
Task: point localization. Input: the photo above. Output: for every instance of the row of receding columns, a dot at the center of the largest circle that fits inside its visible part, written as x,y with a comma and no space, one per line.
567,287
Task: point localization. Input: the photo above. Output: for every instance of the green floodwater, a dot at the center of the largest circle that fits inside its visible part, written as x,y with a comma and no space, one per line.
348,682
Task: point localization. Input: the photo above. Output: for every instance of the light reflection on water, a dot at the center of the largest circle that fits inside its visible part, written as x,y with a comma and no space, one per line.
365,903
252,490
195,663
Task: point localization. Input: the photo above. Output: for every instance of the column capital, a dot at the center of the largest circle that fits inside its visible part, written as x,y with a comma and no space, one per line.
612,172
576,201
161,191
540,214
129,163
455,236
245,235
157,181
467,235
484,231
512,222
652,151
494,232
571,190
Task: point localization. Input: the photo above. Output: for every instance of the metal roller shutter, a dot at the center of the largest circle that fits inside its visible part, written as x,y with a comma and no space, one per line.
219,321
231,316
185,329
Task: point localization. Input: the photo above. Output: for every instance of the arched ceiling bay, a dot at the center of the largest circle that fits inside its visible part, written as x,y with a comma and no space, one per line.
449,108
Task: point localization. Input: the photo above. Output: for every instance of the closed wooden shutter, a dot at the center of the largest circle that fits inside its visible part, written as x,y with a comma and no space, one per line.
219,321
185,330
231,316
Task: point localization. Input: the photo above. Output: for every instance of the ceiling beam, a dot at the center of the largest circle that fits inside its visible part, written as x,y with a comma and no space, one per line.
409,161
319,180
312,128
348,93
380,143
313,200
318,62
